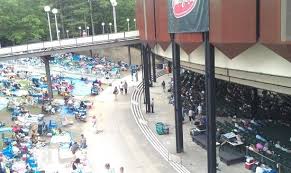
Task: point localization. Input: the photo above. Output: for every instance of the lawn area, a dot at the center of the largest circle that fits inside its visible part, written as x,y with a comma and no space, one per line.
25,84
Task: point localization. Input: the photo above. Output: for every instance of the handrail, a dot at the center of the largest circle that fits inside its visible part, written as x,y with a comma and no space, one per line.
263,157
43,46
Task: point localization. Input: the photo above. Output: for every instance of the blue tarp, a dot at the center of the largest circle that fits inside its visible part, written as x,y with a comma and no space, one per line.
76,58
5,129
81,88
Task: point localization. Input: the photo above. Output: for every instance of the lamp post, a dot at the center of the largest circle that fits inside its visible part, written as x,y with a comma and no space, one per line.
92,23
134,23
84,33
88,29
55,11
80,30
110,25
67,31
114,4
47,9
127,24
103,29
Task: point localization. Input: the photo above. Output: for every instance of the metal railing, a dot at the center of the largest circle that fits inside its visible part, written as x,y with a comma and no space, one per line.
268,161
66,43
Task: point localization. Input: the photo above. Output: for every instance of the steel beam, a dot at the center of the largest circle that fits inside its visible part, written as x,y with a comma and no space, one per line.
177,95
154,67
142,70
46,60
210,104
129,55
254,103
70,48
149,66
146,78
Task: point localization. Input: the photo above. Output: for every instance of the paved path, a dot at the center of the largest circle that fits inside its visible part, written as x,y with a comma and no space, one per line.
121,143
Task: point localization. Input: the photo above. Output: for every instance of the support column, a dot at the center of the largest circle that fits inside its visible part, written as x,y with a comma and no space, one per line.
149,66
146,78
129,56
154,67
46,61
254,104
170,66
91,53
142,71
177,95
210,104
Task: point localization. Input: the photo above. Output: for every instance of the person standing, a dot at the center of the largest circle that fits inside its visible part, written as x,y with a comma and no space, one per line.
121,169
199,110
136,76
94,121
83,142
152,105
191,115
125,86
164,86
2,166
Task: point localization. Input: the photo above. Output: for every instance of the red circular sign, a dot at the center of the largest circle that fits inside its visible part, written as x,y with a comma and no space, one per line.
182,8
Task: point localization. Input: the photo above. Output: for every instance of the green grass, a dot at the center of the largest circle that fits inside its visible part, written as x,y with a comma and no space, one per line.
24,84
33,109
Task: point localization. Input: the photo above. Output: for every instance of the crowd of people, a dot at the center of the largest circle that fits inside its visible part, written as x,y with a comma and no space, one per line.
122,88
235,99
245,111
37,130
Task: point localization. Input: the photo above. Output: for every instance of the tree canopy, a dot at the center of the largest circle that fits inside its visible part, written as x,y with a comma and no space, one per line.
25,21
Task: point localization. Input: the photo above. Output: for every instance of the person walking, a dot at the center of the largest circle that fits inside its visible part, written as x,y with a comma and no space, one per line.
121,87
125,86
164,86
115,92
152,105
121,169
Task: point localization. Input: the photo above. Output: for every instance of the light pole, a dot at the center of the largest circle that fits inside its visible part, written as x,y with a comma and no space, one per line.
67,31
114,4
88,29
55,11
127,24
47,9
134,23
84,33
103,29
110,25
92,23
80,30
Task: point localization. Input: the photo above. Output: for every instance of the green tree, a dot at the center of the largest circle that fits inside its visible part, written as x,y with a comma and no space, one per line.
23,21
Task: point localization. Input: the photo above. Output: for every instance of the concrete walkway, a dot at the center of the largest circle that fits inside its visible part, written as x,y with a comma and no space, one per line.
121,143
194,158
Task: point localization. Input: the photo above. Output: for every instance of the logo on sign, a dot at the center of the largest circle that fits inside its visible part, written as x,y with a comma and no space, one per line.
182,8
